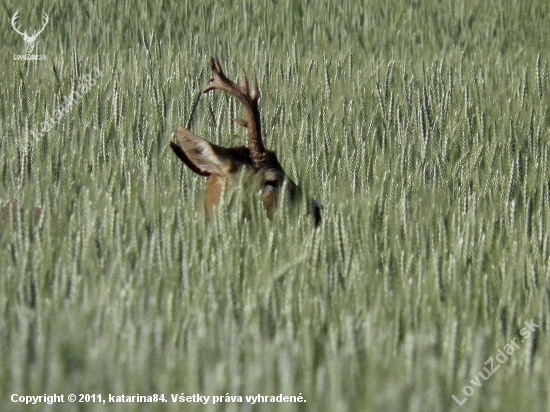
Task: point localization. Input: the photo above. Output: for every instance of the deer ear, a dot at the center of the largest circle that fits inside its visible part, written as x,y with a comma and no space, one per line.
198,154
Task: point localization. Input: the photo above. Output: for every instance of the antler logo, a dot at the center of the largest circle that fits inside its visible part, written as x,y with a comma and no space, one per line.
29,40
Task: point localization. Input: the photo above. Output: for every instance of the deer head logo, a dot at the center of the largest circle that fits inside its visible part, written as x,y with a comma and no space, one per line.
29,40
221,164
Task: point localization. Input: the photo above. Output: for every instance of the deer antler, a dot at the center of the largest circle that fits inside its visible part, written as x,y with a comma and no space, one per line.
250,103
14,22
35,34
26,37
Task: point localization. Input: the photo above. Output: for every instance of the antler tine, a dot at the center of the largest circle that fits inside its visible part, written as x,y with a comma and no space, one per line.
250,103
256,91
216,66
245,87
36,33
14,22
47,18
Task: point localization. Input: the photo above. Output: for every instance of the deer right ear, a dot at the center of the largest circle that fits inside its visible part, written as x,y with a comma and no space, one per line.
198,154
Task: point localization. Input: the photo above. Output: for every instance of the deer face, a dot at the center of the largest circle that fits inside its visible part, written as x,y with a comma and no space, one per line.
221,165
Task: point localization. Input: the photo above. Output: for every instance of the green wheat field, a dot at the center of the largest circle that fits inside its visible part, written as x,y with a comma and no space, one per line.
423,128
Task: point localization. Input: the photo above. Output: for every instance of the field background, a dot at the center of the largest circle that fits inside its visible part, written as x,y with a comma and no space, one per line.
422,127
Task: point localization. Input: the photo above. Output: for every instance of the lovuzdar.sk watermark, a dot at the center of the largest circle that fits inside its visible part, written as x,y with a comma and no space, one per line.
29,57
494,363
29,40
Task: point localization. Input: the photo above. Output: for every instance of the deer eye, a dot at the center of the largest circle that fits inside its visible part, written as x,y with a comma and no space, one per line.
272,183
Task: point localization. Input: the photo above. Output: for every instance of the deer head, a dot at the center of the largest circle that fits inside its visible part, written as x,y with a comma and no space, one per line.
220,165
29,40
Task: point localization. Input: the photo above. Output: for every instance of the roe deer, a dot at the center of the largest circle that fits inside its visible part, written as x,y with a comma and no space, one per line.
220,165
10,208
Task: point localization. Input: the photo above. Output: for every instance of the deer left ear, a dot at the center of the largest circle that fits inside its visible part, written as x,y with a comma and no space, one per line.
198,154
